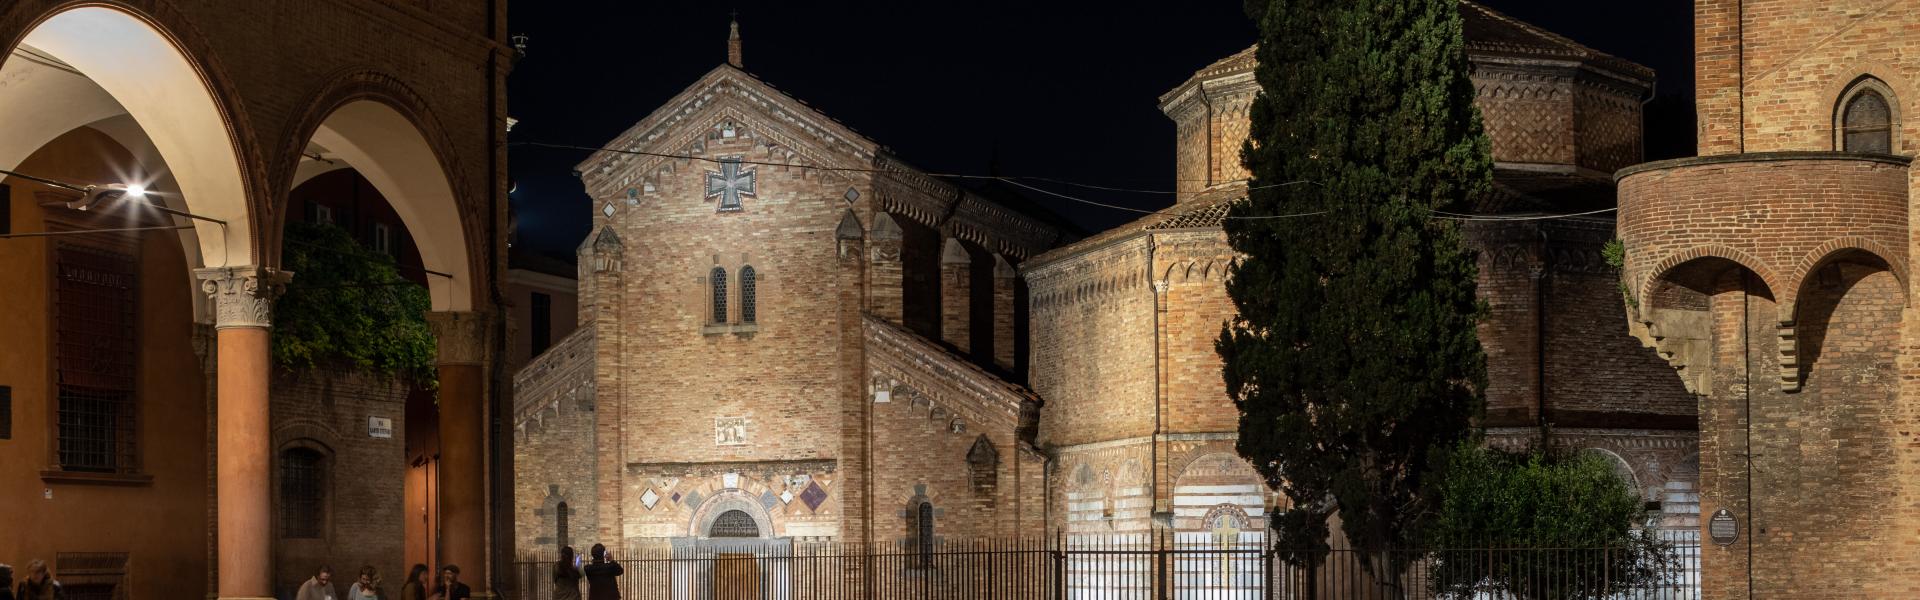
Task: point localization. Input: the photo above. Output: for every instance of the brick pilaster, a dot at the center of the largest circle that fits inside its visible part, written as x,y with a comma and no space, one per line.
956,291
884,273
1004,277
854,395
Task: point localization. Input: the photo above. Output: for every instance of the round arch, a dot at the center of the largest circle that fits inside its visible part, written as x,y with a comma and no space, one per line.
144,73
723,503
373,134
1839,248
1666,266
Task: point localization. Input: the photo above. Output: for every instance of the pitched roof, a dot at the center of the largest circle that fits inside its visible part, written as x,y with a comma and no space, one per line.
1206,209
1489,32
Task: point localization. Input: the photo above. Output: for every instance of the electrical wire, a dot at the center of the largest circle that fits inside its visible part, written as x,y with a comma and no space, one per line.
1014,180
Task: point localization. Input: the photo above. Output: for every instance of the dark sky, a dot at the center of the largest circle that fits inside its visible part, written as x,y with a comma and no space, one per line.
1061,89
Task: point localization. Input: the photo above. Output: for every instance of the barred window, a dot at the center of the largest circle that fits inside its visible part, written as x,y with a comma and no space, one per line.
734,524
92,575
922,534
95,357
719,280
560,514
302,492
747,302
1869,123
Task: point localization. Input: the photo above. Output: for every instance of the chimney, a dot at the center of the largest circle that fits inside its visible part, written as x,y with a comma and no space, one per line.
733,43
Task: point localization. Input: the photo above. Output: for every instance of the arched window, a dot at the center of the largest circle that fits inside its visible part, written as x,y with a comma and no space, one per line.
1866,118
746,294
983,463
734,524
920,534
719,279
560,532
303,492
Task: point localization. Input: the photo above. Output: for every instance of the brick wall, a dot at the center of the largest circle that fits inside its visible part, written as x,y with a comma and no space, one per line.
1092,340
363,475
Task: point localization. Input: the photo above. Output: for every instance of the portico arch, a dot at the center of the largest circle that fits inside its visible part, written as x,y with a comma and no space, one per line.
373,137
91,63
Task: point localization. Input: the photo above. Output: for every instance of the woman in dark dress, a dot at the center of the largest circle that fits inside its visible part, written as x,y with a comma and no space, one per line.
566,576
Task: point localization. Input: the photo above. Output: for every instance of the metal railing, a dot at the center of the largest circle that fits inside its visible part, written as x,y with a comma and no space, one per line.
1122,568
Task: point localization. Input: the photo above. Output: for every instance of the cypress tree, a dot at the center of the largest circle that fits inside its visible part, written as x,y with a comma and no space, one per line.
1354,360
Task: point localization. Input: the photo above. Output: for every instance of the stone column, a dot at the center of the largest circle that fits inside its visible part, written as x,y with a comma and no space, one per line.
956,292
1004,277
885,276
463,491
243,308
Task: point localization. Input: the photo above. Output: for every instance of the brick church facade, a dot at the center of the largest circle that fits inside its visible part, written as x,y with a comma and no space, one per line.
794,326
777,337
1771,271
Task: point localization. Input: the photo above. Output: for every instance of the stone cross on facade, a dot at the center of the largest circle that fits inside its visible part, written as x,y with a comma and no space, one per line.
729,184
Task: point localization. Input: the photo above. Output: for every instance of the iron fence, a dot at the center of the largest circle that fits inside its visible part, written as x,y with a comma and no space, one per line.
1124,568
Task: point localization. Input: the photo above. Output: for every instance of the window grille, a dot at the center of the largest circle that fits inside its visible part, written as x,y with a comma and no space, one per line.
302,492
734,524
560,514
92,575
719,280
1869,123
94,302
747,302
923,534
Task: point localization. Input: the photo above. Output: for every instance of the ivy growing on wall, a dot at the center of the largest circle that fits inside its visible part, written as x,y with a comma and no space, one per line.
1615,253
347,306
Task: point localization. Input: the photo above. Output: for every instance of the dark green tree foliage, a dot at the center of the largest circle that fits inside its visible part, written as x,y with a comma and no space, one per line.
1574,506
1354,360
348,306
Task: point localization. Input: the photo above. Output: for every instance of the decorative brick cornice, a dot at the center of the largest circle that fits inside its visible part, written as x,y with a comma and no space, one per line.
563,368
242,296
908,359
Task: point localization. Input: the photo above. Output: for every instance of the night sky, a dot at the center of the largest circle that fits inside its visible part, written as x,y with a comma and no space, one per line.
1058,89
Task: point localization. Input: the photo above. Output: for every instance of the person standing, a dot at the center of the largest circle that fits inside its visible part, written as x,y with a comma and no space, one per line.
603,576
367,587
6,581
450,586
319,587
566,575
417,584
39,584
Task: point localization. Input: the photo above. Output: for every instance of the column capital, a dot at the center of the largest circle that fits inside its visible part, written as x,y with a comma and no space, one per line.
242,296
460,336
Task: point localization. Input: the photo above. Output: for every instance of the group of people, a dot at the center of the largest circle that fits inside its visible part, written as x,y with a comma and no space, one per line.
602,575
38,584
418,586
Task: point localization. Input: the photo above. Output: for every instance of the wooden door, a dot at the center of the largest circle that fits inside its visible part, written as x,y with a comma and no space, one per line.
736,577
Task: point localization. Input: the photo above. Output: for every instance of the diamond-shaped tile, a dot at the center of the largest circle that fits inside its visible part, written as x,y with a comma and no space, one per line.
786,496
768,500
607,209
649,499
813,497
852,194
693,499
676,497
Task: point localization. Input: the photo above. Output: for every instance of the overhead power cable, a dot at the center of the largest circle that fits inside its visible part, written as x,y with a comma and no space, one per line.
1014,180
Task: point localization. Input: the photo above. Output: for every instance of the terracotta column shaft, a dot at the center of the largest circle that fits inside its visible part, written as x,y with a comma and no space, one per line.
463,461
242,300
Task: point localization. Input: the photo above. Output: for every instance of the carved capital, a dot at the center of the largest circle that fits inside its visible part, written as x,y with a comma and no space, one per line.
242,296
461,336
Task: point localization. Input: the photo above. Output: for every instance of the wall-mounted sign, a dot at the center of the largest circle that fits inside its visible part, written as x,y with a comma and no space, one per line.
1722,528
380,428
